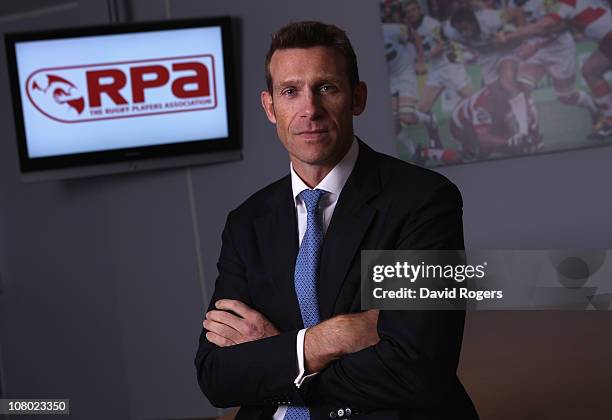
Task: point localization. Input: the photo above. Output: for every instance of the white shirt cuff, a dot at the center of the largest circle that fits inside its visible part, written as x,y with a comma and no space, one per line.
300,357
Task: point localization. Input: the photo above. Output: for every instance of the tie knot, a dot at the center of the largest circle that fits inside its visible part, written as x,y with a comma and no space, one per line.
311,199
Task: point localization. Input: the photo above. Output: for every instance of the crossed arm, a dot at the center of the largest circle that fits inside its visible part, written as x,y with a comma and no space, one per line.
233,323
372,360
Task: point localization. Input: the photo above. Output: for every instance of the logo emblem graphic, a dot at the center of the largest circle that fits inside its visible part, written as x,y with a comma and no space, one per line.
55,95
105,91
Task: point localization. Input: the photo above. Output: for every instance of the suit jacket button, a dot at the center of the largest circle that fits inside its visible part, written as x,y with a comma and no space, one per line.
332,414
347,411
340,412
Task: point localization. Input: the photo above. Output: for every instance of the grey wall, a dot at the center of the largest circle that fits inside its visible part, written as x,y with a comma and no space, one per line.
103,292
102,297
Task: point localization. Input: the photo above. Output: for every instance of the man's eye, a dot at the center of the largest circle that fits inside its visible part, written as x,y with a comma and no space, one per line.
288,92
327,88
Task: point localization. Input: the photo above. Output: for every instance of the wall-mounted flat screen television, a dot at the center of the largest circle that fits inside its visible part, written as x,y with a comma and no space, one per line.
123,97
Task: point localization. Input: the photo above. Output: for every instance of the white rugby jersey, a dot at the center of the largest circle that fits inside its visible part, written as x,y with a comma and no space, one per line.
535,10
399,52
591,17
430,32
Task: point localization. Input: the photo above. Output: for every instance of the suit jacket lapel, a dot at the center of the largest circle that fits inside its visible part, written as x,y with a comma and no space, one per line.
350,222
277,236
277,240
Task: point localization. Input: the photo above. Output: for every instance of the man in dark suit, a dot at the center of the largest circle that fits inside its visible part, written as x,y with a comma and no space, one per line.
285,337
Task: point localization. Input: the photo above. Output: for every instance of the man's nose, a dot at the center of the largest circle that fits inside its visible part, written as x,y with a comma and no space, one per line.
311,105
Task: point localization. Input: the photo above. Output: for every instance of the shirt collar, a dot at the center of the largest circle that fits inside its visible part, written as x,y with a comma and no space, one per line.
334,181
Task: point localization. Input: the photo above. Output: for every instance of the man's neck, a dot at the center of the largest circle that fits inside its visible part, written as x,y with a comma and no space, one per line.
312,175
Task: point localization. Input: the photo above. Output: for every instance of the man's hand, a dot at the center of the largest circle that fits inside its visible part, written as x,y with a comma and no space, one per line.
338,336
236,323
501,38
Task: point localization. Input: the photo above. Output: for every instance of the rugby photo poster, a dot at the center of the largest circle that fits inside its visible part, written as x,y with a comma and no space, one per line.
473,80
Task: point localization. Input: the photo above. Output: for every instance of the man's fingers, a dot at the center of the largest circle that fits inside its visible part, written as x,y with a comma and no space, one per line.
218,340
228,319
247,324
235,306
222,330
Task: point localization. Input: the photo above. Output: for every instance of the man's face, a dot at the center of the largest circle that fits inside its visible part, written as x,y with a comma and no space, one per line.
467,30
312,104
413,13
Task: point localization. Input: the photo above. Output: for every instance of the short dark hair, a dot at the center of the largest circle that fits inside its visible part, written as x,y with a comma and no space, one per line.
308,34
409,2
464,14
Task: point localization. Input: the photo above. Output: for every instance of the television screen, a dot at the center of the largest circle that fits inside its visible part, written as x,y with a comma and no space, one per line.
122,93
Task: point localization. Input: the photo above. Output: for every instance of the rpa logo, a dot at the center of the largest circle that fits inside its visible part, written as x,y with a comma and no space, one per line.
56,95
128,89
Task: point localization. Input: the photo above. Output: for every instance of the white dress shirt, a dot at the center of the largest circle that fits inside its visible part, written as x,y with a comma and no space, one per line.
332,183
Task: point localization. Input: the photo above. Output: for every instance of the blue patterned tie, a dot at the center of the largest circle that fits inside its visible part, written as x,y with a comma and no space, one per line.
306,273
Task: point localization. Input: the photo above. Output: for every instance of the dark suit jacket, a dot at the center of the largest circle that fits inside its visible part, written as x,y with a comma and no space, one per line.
411,372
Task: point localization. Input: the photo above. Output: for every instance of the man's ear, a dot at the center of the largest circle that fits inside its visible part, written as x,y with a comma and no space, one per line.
360,97
268,105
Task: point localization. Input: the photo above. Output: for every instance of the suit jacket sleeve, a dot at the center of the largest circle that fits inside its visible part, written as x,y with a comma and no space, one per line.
249,373
414,364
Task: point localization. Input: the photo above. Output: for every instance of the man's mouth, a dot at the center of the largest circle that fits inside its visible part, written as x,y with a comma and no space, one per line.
314,131
312,135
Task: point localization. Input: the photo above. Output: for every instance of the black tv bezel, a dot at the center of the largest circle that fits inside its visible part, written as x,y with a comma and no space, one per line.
132,154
